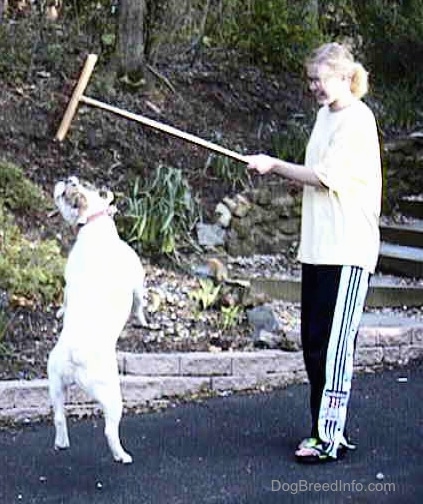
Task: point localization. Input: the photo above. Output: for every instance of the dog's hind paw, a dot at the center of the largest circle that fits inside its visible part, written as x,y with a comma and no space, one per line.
125,458
139,321
61,447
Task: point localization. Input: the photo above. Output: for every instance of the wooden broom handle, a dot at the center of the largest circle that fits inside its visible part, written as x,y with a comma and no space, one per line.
164,128
76,96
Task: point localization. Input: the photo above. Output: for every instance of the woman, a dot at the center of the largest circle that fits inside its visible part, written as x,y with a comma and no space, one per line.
339,243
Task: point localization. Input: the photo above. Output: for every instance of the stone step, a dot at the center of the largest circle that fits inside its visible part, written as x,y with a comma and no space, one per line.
384,291
412,206
401,260
409,234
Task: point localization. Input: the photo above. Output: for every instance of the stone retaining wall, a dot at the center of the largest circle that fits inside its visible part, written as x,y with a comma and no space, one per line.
149,378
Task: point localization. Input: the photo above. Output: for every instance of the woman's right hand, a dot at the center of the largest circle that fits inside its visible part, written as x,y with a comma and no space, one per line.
261,163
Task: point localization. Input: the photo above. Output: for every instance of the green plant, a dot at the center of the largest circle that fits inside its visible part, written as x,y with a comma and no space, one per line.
401,105
16,49
338,20
207,294
229,171
161,215
392,34
278,33
30,271
290,143
4,324
4,351
17,193
230,315
28,41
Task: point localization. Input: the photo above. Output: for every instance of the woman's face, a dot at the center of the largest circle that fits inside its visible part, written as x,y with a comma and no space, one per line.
327,86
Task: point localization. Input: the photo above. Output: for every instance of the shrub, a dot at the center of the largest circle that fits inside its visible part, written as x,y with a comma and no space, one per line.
16,45
160,216
401,105
290,143
17,193
279,33
392,34
4,324
30,271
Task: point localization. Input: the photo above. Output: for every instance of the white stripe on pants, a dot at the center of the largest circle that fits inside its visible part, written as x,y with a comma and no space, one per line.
352,292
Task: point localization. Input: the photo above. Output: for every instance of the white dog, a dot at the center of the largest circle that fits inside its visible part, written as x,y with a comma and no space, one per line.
103,274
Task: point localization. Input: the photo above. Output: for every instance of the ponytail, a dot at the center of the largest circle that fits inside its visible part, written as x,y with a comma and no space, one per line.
359,81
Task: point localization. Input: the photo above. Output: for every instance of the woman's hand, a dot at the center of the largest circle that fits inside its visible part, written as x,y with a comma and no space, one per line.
261,163
294,172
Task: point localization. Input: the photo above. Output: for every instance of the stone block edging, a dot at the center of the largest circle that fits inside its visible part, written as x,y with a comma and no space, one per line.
149,378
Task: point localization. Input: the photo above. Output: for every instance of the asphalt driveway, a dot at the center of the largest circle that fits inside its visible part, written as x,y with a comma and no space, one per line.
228,450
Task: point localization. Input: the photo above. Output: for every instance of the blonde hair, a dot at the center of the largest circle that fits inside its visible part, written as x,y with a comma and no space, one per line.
340,60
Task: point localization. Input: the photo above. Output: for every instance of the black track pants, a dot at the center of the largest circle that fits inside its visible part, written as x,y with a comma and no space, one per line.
332,302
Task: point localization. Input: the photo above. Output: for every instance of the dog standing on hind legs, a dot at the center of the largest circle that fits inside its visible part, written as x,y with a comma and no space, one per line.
103,276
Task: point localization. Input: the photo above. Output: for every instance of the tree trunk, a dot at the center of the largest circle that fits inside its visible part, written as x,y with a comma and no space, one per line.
131,39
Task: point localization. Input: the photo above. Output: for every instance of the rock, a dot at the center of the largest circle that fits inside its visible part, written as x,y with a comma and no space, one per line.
156,301
224,215
283,205
242,206
262,197
263,221
254,298
201,270
230,203
262,318
268,340
213,268
291,341
218,269
210,235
